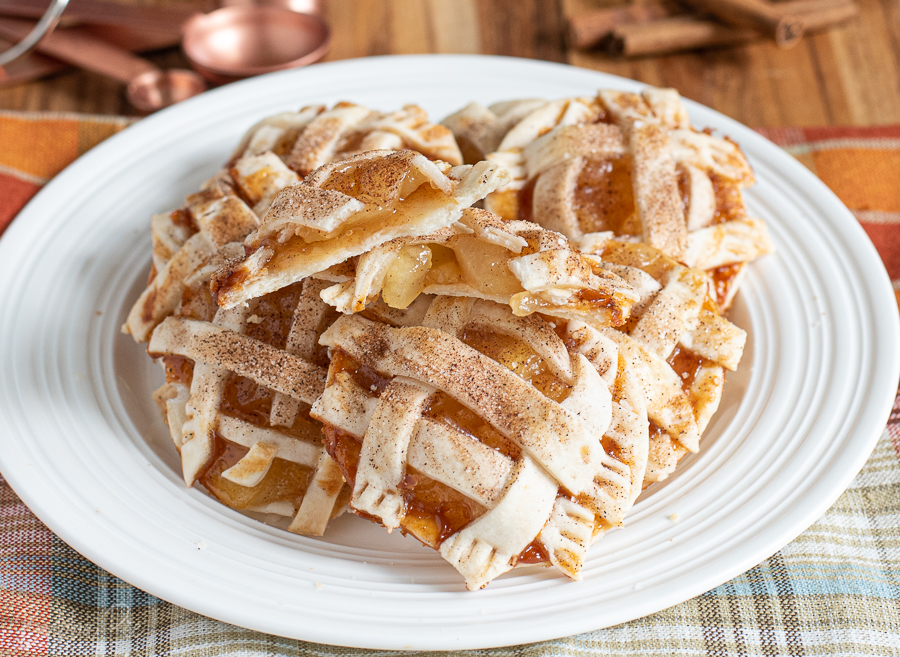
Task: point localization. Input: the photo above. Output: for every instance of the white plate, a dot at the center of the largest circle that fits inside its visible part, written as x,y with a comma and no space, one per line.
85,447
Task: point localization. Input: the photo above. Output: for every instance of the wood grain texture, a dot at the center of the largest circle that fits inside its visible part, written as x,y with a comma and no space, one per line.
848,75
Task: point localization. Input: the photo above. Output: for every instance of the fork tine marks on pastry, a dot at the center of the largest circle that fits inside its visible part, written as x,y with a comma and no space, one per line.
490,544
486,547
383,455
541,427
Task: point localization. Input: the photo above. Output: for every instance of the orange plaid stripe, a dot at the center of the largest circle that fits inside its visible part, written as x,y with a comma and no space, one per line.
36,147
861,166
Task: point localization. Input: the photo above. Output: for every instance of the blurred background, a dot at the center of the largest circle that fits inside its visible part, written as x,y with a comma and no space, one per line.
844,71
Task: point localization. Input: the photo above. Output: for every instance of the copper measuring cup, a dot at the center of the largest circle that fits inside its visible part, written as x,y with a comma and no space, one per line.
244,40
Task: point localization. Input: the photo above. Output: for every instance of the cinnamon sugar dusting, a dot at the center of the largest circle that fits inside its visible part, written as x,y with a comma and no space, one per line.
498,386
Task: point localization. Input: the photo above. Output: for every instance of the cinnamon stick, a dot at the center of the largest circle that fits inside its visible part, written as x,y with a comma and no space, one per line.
821,14
770,20
587,30
675,34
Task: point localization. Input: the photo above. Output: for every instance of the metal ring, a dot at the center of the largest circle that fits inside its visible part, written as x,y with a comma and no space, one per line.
43,28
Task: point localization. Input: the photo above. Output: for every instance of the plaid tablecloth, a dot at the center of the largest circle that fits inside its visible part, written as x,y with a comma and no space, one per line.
834,591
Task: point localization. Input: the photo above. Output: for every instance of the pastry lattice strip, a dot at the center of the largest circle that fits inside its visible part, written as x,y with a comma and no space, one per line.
418,361
231,204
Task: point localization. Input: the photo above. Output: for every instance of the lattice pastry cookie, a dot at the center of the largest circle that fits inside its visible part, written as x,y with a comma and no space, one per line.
626,163
677,345
481,434
516,263
239,387
347,208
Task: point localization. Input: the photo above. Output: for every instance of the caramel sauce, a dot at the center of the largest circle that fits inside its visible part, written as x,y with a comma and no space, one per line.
593,300
350,142
230,279
444,408
657,432
533,554
525,209
611,448
729,202
526,303
605,117
275,313
178,369
286,141
184,219
344,449
687,365
246,400
604,197
636,254
434,512
365,377
618,390
285,480
521,359
723,277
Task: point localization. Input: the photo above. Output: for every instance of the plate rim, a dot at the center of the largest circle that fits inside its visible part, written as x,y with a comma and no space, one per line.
888,323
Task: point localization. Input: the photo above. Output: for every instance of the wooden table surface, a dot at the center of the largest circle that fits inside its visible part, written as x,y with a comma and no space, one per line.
849,75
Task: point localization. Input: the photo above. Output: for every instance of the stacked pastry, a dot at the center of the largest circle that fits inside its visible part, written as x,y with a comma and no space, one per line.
341,325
